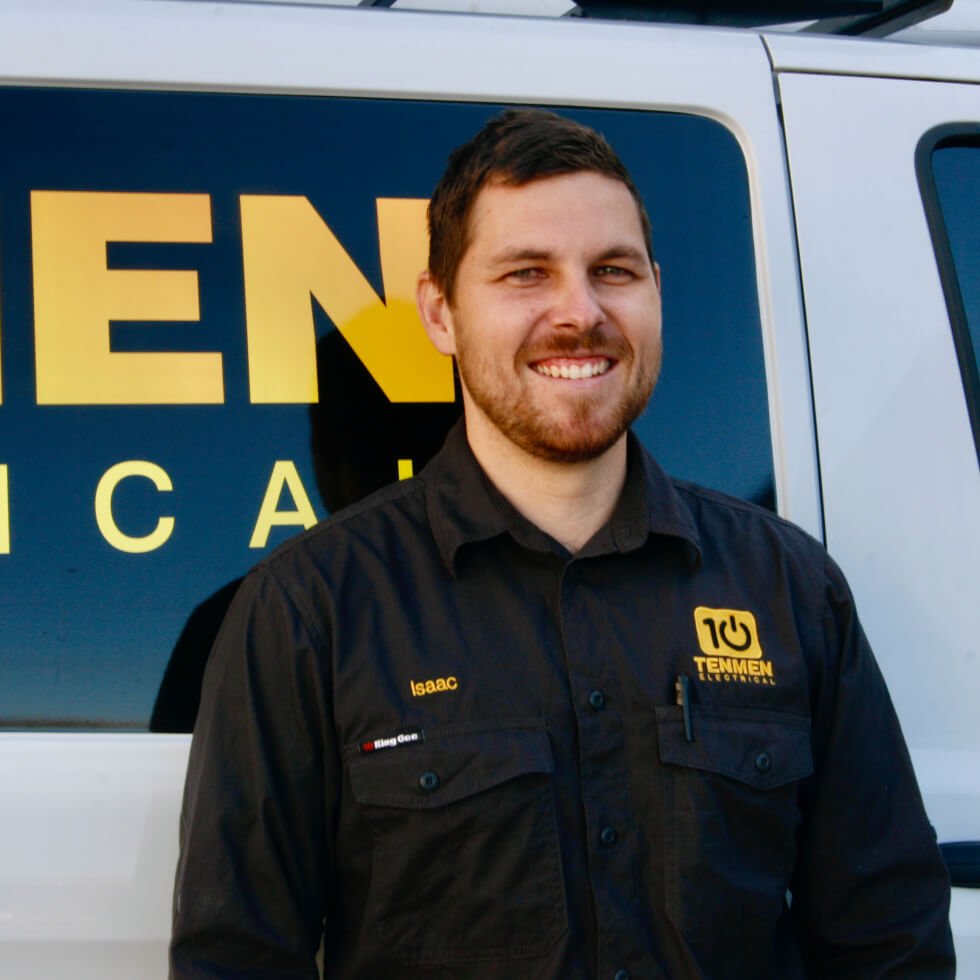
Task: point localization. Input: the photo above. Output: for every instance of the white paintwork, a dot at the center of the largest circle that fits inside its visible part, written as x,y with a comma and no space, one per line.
109,905
87,853
272,48
900,479
964,918
857,56
89,822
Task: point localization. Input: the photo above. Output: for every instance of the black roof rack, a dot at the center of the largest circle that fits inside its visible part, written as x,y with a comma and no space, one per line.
870,18
873,18
895,16
728,13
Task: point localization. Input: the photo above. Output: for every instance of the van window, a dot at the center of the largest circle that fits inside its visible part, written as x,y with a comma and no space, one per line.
208,343
951,192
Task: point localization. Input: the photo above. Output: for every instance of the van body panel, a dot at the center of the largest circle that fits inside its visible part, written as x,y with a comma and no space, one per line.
87,853
858,56
901,486
90,819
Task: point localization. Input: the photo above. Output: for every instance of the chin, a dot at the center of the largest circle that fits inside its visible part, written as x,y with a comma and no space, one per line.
579,451
572,442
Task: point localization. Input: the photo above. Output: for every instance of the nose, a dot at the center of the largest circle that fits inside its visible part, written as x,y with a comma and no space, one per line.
576,303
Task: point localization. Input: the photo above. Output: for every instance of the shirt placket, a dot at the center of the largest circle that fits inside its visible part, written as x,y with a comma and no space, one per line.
611,835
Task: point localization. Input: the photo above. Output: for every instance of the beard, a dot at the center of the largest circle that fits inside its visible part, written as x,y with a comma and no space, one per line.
569,427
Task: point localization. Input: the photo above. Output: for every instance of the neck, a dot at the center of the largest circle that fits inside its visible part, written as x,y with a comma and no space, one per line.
569,501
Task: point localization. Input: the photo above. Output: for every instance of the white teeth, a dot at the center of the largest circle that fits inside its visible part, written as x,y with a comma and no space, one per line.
588,369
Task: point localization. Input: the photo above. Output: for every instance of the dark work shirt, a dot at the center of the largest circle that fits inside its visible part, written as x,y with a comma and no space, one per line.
435,738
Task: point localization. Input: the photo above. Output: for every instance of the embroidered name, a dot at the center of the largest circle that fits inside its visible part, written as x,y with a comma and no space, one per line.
434,686
392,741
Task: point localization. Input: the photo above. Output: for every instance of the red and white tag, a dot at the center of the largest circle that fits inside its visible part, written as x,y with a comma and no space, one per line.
393,741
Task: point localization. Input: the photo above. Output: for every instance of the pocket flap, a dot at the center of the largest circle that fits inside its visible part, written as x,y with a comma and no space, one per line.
764,749
449,764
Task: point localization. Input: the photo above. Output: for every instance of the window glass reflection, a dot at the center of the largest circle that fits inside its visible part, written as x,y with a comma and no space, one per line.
127,521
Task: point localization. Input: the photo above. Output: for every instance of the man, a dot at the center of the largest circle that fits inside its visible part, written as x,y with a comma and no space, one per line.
459,729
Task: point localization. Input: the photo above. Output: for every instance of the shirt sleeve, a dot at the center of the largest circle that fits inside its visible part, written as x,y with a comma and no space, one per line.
871,893
256,853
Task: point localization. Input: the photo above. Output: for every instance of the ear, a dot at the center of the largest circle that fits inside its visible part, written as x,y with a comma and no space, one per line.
656,276
437,317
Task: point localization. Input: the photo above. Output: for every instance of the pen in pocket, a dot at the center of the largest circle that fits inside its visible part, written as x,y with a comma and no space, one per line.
682,689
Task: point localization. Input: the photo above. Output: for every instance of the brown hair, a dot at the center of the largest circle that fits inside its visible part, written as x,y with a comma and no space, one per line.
516,147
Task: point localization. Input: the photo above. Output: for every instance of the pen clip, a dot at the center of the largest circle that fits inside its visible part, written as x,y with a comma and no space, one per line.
682,689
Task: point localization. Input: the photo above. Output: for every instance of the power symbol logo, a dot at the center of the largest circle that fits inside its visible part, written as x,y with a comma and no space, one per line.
727,633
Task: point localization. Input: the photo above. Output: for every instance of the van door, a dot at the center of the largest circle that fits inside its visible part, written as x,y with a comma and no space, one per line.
893,378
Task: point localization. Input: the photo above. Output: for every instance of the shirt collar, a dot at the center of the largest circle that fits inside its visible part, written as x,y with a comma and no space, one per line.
464,507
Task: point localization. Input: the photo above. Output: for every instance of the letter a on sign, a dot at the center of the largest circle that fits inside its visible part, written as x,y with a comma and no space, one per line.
284,474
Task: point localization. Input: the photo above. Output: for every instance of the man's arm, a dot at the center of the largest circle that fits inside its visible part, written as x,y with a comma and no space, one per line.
255,848
871,892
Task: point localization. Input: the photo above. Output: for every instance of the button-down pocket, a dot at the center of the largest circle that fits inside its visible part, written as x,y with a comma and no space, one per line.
733,811
466,862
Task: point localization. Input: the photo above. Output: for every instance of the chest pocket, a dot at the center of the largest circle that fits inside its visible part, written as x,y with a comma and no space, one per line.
733,810
466,862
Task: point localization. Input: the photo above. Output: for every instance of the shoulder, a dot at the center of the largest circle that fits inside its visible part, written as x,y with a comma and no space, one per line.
395,507
773,560
365,535
355,548
731,522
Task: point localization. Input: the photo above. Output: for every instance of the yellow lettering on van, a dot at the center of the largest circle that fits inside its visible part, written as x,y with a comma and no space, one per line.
284,474
103,506
76,297
289,254
4,511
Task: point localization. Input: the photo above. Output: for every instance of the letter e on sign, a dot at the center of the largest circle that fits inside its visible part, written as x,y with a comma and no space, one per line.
76,297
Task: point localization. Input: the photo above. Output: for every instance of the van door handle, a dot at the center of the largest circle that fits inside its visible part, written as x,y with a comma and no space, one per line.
963,861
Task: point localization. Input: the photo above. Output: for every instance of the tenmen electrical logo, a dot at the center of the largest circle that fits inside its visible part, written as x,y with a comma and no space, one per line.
729,640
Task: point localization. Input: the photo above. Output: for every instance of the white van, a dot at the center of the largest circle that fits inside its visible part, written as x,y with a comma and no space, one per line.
211,217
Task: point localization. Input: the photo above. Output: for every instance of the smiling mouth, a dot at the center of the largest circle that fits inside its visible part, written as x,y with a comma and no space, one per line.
573,369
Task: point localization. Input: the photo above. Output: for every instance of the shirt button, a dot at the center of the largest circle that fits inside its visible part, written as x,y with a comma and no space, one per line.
622,975
429,781
597,700
763,762
608,836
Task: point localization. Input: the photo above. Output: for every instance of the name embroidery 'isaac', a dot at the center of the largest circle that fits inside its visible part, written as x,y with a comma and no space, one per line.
435,686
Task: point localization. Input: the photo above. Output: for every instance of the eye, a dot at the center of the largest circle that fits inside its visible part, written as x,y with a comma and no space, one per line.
612,272
525,275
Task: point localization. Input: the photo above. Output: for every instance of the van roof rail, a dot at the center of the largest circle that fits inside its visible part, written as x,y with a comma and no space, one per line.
870,18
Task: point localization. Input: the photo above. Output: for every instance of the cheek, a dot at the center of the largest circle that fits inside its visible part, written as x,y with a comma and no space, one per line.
500,331
642,320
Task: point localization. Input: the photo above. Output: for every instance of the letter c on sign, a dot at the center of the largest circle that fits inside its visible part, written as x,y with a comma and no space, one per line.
103,506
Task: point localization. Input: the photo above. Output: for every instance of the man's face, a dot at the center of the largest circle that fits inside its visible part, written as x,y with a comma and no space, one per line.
555,322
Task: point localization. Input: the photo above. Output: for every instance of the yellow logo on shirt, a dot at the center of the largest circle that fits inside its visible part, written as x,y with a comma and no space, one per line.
727,632
729,640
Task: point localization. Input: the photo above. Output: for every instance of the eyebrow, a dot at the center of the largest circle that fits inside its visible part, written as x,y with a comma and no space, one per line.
623,252
523,254
509,255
